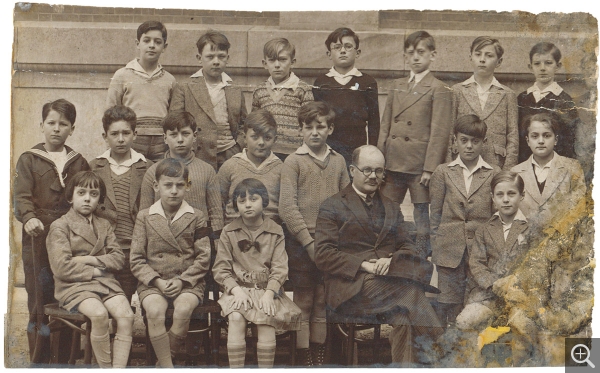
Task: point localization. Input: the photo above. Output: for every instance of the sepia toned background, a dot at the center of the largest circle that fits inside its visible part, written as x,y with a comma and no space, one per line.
72,52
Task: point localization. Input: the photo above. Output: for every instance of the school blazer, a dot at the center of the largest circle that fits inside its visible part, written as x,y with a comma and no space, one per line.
456,214
182,251
193,97
416,125
501,116
71,236
565,186
491,257
108,209
343,240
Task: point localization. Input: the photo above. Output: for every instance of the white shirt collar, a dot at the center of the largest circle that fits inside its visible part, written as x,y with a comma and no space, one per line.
418,77
305,149
554,88
480,164
135,66
518,216
243,155
548,165
362,195
289,83
225,79
135,156
334,73
157,208
472,80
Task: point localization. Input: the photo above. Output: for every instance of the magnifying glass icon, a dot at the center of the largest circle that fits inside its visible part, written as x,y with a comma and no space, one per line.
583,354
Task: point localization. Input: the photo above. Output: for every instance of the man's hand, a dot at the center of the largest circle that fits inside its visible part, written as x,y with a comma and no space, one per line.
425,177
33,227
310,250
368,267
173,288
381,266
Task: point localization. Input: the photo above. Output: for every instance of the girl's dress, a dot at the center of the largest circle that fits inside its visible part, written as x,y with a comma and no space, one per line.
256,261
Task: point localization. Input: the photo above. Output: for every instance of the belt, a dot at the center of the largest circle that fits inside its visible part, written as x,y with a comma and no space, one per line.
254,285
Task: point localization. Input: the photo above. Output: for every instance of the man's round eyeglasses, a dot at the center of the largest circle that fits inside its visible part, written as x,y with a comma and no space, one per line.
347,47
367,171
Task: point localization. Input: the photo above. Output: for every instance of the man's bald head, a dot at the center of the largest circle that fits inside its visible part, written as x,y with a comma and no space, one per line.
369,151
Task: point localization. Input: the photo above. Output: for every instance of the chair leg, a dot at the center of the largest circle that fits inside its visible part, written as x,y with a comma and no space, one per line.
215,335
87,355
376,344
293,339
329,343
75,347
350,345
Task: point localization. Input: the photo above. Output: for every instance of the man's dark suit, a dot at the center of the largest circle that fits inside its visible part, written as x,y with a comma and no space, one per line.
344,239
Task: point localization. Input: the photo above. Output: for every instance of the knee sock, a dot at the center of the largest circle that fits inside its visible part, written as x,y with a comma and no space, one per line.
162,349
236,353
303,334
101,348
265,352
121,348
177,343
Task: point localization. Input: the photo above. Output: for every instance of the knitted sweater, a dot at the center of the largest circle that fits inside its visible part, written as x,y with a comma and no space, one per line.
148,96
355,108
561,105
238,168
203,194
305,183
285,112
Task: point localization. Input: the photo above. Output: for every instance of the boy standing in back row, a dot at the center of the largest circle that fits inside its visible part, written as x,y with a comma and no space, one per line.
146,87
351,94
414,132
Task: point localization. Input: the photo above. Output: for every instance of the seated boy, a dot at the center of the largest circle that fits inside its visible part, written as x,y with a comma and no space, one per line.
255,161
414,132
546,96
309,176
180,135
122,170
216,104
39,200
170,256
144,86
460,202
351,93
282,94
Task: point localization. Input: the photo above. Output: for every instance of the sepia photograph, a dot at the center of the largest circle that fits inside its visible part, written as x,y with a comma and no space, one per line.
271,187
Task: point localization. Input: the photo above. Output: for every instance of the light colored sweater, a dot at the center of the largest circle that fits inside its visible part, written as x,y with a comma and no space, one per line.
238,168
305,183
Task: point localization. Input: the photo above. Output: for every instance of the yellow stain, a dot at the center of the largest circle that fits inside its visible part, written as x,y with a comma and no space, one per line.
490,335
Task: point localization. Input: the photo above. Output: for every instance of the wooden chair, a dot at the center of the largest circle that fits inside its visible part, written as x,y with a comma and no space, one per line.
60,319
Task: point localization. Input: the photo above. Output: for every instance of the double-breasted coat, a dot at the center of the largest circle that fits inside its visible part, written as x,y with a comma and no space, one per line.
194,98
71,236
167,251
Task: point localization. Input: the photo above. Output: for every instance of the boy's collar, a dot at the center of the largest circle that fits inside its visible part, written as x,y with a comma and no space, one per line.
290,83
418,77
554,88
135,157
157,209
549,164
225,79
518,216
305,149
480,164
244,155
334,73
472,80
135,66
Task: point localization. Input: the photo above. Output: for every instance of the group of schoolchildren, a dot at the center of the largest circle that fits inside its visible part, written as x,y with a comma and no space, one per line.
183,157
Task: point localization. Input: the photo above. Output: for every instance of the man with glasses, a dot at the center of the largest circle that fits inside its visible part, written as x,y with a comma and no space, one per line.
368,260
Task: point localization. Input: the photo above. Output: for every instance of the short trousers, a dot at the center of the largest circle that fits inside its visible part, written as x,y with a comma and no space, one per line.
397,183
452,283
152,147
72,302
148,291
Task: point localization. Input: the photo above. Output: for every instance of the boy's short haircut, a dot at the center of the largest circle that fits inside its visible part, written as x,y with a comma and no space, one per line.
470,125
509,177
543,48
61,106
85,179
314,109
215,38
550,119
118,113
274,47
176,121
416,37
484,41
248,187
171,167
338,34
261,121
149,26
